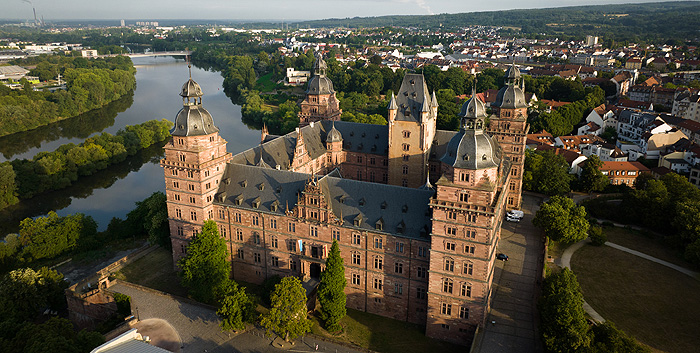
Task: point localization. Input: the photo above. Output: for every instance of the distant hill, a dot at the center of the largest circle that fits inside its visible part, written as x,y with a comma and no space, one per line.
632,22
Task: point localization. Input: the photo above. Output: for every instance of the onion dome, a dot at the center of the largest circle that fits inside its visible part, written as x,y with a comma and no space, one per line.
510,97
473,108
320,85
334,135
192,119
470,148
513,73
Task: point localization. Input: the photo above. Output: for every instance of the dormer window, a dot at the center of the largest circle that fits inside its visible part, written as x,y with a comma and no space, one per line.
357,221
238,200
274,206
383,205
379,225
261,186
362,202
244,183
404,209
256,203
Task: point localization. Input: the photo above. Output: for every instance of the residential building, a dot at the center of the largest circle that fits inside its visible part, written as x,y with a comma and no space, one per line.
619,173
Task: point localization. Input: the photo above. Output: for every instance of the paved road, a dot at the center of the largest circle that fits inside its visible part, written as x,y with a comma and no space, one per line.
514,306
199,331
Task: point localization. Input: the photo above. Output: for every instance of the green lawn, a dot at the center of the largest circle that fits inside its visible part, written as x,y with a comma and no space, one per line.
265,83
653,303
645,243
155,271
385,335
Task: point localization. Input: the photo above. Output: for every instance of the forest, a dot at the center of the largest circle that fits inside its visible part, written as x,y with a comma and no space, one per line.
46,171
90,84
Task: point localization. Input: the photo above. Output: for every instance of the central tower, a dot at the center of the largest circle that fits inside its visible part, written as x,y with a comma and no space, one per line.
412,123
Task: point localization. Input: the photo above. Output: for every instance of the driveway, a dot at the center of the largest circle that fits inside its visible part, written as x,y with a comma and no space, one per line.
198,326
512,323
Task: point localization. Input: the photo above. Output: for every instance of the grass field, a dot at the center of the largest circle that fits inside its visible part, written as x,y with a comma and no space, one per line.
653,303
265,83
646,243
385,335
155,271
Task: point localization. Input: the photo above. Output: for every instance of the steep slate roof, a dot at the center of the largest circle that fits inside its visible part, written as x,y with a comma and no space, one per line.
365,138
344,195
413,97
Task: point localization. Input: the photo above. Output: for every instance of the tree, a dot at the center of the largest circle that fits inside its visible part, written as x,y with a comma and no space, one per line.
592,179
204,271
547,173
562,220
563,320
608,338
287,317
7,185
235,309
331,293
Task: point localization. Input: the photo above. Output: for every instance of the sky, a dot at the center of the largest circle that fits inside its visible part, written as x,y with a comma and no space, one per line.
288,10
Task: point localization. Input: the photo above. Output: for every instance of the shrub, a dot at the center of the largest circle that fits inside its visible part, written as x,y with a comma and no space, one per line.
597,236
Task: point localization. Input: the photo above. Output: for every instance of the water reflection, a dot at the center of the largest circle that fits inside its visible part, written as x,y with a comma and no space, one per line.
78,129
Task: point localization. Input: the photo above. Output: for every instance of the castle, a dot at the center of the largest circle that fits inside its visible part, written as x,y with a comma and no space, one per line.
416,211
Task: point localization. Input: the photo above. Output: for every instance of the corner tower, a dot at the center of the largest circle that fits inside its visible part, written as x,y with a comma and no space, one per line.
320,102
467,213
194,162
509,127
412,123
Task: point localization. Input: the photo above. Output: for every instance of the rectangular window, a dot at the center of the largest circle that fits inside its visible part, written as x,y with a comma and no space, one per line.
208,186
255,220
313,231
420,293
355,279
239,254
468,268
446,309
273,223
422,251
180,231
292,245
356,258
292,227
471,234
222,231
275,261
398,288
466,290
377,243
452,215
463,176
450,246
256,257
463,197
378,263
398,267
190,187
256,238
451,231
193,215
292,265
356,239
372,160
178,213
449,265
399,247
463,313
190,174
336,235
405,147
421,272
239,235
222,214
471,218
469,249
176,197
377,283
359,159
273,242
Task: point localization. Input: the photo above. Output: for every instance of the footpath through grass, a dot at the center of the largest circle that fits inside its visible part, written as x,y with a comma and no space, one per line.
651,302
647,243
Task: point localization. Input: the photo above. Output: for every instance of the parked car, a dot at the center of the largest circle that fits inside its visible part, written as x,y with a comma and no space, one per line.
515,214
502,256
512,219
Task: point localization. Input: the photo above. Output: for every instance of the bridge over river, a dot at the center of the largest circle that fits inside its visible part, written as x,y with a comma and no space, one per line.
153,53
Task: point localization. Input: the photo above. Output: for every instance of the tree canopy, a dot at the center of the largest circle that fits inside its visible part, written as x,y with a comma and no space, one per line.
562,220
235,308
204,270
287,316
563,321
331,294
591,178
546,173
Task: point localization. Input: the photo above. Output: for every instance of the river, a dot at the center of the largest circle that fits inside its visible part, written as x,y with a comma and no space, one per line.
113,192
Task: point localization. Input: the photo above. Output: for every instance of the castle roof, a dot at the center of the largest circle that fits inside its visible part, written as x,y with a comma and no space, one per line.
192,119
408,216
413,98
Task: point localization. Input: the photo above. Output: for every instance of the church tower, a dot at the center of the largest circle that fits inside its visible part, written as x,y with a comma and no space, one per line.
412,123
320,102
467,212
509,127
195,160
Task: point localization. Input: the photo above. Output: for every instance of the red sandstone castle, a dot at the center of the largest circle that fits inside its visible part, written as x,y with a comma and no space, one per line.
416,211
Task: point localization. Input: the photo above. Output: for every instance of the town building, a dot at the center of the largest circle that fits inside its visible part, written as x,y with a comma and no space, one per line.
619,173
320,102
416,211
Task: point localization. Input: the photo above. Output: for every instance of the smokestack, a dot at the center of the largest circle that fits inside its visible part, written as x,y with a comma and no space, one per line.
35,20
